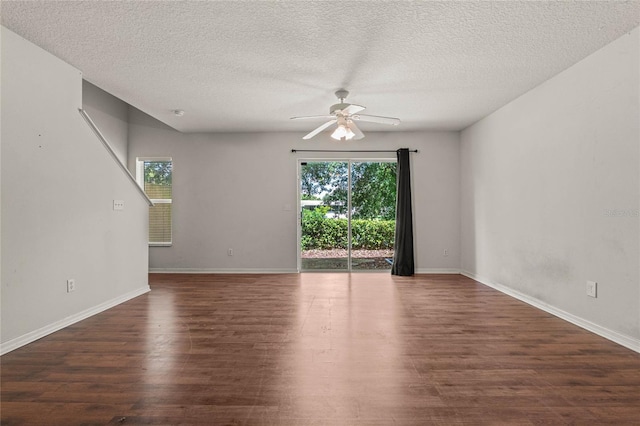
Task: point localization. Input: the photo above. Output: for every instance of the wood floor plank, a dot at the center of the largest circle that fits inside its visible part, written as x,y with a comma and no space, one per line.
321,349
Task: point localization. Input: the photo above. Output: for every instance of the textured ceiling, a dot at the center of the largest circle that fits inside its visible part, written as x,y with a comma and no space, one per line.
249,66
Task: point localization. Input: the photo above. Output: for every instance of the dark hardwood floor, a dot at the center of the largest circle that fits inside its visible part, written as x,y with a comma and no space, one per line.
321,349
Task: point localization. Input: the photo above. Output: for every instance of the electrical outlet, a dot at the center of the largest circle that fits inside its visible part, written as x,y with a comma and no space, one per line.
118,204
592,288
230,252
445,252
71,285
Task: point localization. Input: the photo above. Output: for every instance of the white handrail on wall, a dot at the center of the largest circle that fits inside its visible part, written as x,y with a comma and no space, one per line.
104,141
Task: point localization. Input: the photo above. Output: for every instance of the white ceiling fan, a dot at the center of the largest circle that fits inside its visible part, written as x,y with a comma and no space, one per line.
344,115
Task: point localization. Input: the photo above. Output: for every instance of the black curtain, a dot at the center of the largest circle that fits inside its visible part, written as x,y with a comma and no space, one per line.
403,257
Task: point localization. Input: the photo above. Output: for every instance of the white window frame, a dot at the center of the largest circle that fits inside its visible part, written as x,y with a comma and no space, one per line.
140,179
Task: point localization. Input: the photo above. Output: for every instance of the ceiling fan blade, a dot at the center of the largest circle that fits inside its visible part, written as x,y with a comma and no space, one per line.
357,134
313,117
377,119
319,129
353,109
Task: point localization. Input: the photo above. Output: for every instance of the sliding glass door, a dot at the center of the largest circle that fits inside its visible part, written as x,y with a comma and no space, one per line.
347,215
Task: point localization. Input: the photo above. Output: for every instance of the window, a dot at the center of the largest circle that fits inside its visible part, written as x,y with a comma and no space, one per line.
155,176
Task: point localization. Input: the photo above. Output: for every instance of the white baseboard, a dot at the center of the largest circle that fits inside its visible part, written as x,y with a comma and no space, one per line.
438,271
614,336
220,271
58,325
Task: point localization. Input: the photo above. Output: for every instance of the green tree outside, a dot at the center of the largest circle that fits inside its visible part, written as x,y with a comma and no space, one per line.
373,194
158,172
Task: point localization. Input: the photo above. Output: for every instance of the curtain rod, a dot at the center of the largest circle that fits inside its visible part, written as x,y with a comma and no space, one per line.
336,150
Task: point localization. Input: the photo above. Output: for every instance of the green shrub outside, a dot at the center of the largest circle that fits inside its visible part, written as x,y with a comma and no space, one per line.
320,232
372,234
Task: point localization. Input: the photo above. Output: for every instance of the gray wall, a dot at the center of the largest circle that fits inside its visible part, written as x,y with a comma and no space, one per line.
550,187
234,191
58,187
110,114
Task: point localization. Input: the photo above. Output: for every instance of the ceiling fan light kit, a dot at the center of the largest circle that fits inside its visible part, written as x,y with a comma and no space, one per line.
342,132
343,114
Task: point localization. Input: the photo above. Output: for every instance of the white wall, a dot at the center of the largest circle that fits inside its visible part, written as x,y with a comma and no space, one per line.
58,187
110,115
550,187
232,191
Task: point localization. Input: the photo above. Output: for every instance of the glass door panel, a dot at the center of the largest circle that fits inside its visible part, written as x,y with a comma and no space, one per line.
373,214
324,238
